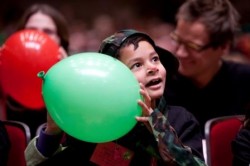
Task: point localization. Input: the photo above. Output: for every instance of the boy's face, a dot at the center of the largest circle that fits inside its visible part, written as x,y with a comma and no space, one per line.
144,62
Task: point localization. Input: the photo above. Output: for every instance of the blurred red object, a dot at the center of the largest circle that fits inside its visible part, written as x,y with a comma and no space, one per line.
22,56
243,45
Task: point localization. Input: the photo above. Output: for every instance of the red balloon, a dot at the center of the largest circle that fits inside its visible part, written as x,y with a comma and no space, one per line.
23,55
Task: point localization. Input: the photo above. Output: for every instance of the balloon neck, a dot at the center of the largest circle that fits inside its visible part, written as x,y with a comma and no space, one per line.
41,74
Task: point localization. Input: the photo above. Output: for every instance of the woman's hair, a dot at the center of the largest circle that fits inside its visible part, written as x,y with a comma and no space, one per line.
219,17
56,16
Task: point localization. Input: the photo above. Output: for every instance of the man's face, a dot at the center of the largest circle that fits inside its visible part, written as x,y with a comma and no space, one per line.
144,62
193,49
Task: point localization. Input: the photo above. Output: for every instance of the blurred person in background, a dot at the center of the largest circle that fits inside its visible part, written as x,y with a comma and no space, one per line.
45,18
206,85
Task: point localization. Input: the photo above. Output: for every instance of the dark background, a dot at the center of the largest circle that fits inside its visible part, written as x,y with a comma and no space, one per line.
155,17
10,10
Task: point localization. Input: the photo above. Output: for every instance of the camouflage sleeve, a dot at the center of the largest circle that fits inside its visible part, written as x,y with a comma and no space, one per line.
170,147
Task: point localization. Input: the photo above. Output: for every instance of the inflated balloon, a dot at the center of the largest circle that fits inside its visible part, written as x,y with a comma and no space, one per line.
92,97
23,55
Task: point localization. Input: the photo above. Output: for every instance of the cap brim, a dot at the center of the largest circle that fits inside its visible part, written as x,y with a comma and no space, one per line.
168,60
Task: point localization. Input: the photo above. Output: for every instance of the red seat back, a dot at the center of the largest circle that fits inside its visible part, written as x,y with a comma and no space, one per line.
19,135
219,133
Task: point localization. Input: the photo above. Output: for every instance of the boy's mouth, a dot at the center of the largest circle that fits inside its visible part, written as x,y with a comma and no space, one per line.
153,82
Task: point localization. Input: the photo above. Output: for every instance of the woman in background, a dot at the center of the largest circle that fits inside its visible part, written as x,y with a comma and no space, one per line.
49,20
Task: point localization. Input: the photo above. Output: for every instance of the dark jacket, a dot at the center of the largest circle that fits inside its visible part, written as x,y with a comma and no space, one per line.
139,140
4,145
241,144
226,94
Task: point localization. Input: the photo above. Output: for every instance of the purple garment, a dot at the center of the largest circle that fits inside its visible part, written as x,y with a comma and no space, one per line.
48,144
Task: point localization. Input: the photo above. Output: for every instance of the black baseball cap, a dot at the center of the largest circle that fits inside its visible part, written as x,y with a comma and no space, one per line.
112,44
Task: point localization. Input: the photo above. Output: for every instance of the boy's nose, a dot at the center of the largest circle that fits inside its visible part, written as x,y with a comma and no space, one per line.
152,70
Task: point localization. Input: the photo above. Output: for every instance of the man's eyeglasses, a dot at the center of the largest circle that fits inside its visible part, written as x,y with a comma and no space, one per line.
188,45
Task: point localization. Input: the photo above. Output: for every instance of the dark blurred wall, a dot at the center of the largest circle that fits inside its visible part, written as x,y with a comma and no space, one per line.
10,10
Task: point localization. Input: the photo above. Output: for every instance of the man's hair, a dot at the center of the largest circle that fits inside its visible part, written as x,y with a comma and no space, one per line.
219,17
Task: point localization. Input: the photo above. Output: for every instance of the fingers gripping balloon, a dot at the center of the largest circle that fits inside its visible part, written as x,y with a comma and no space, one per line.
92,97
22,56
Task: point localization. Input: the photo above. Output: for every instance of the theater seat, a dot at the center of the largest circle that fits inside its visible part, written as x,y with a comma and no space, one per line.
19,135
219,133
40,127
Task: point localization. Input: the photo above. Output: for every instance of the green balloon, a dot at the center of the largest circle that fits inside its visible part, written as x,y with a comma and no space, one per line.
92,97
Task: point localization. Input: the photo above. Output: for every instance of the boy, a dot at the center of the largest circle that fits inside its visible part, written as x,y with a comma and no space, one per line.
153,142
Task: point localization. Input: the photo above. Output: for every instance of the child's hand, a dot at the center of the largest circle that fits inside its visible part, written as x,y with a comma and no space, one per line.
52,127
146,107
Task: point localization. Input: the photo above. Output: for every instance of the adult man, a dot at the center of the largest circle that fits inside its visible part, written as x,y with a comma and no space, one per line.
206,85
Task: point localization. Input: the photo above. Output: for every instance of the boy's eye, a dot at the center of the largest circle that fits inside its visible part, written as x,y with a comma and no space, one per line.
136,65
156,58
